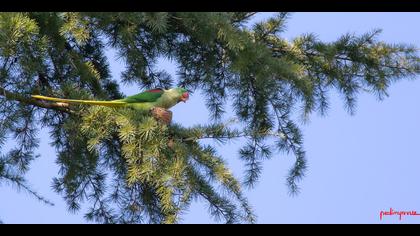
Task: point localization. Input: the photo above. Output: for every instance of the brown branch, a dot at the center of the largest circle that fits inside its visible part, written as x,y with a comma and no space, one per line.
34,102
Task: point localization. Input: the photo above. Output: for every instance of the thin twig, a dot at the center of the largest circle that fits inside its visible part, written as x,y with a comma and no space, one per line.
241,135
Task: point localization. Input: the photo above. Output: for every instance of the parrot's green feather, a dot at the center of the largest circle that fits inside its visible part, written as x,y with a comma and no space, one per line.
147,96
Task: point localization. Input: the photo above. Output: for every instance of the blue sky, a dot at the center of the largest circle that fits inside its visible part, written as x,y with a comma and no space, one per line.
358,165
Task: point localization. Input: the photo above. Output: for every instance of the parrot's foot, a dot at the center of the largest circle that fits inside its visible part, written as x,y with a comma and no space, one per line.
162,115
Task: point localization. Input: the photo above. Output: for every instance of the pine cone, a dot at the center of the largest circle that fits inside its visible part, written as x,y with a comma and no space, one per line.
162,115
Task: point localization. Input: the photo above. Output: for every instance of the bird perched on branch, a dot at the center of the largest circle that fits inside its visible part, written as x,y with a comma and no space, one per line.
144,101
155,101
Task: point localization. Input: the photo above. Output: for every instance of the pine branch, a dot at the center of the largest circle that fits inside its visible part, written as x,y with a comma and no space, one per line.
297,172
21,185
244,17
344,58
102,209
309,54
241,135
34,102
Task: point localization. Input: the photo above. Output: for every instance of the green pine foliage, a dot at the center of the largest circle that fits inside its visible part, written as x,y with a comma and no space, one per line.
131,168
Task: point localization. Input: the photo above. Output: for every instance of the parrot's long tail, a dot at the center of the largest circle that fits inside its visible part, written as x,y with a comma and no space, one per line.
99,103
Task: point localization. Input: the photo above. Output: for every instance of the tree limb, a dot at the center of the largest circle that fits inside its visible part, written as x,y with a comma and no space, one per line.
35,102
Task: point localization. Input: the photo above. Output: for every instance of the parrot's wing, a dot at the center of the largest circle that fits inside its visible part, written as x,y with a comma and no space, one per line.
147,96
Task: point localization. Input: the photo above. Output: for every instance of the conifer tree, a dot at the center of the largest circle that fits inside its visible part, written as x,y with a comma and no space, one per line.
133,168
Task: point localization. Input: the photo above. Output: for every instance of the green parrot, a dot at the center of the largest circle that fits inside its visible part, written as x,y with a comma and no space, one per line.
143,101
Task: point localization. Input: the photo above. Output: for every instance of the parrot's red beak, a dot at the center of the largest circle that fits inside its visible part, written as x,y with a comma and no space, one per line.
185,96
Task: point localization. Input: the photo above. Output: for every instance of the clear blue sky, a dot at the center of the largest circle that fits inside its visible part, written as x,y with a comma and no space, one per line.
358,165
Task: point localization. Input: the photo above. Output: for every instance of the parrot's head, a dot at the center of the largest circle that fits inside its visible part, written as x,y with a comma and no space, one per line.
183,94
